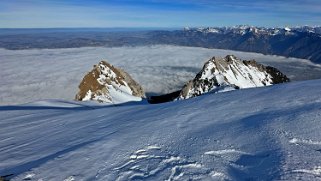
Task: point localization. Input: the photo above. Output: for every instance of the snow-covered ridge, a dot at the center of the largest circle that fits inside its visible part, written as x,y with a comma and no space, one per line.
106,83
244,29
230,73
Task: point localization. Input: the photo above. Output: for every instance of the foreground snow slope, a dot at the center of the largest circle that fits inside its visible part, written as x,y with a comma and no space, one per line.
265,133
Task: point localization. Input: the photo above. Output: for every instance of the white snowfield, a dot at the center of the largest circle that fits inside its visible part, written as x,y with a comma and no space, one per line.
269,133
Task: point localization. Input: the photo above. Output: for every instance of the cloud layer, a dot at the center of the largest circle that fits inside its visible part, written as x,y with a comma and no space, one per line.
30,75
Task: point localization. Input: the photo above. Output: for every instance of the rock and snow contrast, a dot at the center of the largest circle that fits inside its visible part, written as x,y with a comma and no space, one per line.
159,69
230,73
267,133
108,84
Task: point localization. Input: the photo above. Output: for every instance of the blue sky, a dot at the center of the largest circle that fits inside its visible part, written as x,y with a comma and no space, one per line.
157,13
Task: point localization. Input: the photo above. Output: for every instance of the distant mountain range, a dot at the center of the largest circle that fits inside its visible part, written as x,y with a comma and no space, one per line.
300,42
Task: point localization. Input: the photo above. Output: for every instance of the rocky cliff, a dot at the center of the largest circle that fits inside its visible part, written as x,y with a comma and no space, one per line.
230,73
106,83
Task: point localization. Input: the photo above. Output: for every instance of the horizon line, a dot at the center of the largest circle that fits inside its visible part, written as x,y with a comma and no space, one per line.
161,27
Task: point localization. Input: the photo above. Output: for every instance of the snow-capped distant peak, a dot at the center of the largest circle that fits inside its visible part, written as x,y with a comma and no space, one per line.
211,30
244,29
229,73
106,83
287,29
186,28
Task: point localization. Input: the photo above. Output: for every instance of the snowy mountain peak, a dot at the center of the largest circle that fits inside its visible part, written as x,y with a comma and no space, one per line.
229,73
106,83
287,29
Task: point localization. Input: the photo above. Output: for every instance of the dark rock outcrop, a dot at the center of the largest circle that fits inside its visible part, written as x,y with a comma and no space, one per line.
164,98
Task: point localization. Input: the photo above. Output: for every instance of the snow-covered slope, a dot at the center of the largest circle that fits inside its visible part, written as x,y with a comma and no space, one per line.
108,84
268,133
229,73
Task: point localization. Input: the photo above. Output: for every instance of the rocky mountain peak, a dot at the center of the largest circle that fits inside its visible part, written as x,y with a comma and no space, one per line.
106,83
229,73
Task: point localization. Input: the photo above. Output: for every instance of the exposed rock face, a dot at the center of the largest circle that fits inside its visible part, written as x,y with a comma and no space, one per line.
229,73
106,83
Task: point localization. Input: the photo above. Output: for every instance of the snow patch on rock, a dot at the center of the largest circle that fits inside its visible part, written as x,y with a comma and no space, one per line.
108,84
230,73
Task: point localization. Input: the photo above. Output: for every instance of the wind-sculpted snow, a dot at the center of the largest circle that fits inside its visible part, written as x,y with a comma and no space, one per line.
269,133
152,161
30,75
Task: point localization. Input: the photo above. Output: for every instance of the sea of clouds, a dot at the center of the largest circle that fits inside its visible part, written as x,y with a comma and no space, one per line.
31,75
